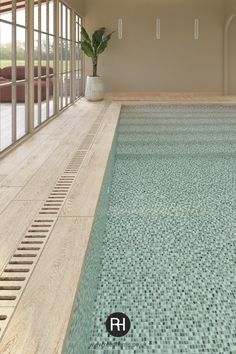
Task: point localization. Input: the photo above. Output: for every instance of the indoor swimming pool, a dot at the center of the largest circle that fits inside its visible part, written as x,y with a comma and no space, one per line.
162,249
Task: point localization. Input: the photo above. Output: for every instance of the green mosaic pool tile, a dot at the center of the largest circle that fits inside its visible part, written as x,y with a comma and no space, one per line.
178,129
176,109
179,113
183,115
174,138
186,148
164,121
85,301
163,250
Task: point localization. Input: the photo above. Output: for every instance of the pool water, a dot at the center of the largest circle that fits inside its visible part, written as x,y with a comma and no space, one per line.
163,244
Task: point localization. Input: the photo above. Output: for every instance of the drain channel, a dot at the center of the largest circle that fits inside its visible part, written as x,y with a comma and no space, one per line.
16,273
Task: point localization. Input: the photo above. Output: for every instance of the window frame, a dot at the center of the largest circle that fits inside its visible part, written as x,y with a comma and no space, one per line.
14,81
70,75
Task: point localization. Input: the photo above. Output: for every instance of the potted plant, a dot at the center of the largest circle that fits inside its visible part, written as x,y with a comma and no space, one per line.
94,90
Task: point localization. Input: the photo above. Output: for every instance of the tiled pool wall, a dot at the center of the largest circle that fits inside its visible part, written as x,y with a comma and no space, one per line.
163,243
82,315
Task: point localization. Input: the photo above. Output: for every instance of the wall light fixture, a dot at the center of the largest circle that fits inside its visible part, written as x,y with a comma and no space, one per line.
158,28
120,28
196,28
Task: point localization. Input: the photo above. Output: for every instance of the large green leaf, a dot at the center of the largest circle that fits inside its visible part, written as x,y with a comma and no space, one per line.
102,46
88,49
84,35
108,37
92,48
97,37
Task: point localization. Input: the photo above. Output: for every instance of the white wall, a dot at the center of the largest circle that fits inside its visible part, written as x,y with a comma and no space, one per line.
230,6
175,63
77,5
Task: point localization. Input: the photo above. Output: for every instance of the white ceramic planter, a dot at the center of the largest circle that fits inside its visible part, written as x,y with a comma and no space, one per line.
94,90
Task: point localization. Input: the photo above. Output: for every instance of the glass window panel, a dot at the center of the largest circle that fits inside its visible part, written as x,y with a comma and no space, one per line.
36,17
20,46
64,55
20,110
60,91
51,52
68,88
20,12
6,10
79,33
68,23
47,96
77,58
43,90
43,111
65,90
36,122
51,96
64,12
79,83
6,55
36,105
44,17
77,55
51,17
77,91
80,57
36,50
5,117
60,17
47,45
60,54
76,32
5,44
68,56
43,51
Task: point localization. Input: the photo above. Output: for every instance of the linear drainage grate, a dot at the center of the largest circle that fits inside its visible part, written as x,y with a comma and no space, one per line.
87,142
16,273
